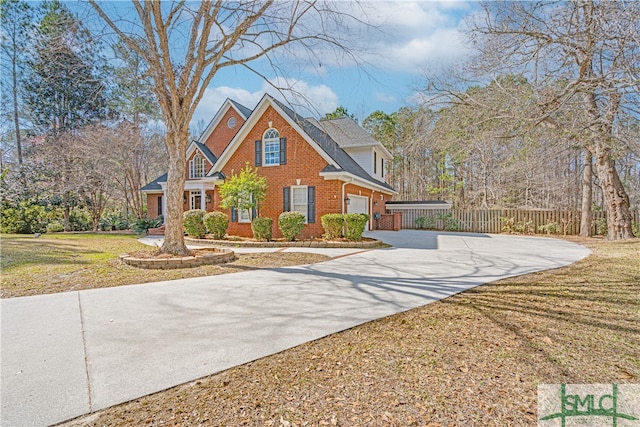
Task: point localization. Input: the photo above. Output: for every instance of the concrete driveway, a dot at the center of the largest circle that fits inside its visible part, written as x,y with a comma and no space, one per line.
64,355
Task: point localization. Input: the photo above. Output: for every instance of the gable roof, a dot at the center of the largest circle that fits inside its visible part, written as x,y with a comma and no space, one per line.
211,158
344,162
228,103
338,160
155,184
347,133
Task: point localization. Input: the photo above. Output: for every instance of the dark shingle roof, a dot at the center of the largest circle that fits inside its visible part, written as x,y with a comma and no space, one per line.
243,110
329,146
155,184
207,152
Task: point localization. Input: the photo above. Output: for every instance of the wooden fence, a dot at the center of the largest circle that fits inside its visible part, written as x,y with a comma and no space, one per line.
501,220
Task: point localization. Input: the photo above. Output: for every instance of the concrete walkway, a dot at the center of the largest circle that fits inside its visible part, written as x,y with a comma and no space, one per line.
64,355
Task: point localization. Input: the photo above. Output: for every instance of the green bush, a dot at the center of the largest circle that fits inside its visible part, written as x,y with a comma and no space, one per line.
333,225
193,223
291,224
142,225
55,227
262,228
354,226
80,220
217,224
450,223
426,222
113,220
25,218
550,228
635,229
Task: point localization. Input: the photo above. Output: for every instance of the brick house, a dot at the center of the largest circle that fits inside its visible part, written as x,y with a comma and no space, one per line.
313,167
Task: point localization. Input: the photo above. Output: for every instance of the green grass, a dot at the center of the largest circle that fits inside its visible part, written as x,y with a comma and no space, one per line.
70,262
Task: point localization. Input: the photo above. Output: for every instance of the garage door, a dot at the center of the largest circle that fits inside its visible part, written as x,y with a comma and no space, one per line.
358,204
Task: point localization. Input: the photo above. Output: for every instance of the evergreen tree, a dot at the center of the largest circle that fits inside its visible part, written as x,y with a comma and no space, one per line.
64,90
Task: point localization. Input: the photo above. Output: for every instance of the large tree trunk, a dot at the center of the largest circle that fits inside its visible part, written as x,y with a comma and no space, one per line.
586,214
616,198
174,233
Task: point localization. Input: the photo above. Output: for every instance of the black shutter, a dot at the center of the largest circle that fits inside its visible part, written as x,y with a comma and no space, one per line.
254,213
258,158
234,214
311,205
283,151
159,205
286,195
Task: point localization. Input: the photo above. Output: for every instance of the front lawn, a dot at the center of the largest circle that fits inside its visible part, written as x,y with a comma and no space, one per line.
70,262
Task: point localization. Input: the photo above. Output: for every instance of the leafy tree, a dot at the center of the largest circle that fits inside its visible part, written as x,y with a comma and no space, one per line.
339,113
215,35
15,19
64,89
245,191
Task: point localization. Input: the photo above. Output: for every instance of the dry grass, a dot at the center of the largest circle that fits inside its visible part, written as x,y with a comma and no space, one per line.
474,359
71,262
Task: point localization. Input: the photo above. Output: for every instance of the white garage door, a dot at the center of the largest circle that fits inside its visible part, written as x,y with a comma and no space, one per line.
358,204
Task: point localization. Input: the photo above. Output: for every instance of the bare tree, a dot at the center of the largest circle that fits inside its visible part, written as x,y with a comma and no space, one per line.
575,50
186,44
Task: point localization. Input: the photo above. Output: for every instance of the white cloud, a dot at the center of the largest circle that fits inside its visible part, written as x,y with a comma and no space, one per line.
306,99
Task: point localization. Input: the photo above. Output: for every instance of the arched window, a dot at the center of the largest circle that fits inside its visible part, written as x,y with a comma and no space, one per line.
271,144
196,167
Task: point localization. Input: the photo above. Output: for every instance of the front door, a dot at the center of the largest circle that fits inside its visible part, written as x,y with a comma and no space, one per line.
196,200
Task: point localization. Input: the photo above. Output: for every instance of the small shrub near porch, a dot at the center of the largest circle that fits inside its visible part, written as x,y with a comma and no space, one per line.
354,226
217,223
333,225
194,224
262,228
291,224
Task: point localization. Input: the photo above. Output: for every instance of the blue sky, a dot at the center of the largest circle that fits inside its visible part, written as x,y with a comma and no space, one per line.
412,36
409,37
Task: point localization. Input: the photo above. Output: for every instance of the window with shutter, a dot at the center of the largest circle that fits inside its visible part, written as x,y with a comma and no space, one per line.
271,143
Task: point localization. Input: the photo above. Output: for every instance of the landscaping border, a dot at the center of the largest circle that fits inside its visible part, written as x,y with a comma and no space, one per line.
218,256
368,244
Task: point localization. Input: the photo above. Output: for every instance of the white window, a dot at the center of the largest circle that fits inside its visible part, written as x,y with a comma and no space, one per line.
244,214
196,167
299,200
271,143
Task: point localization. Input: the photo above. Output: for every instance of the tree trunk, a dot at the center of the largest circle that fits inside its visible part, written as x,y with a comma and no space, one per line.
67,218
586,215
616,198
174,233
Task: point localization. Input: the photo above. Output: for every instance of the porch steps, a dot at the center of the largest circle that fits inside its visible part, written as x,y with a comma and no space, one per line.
156,231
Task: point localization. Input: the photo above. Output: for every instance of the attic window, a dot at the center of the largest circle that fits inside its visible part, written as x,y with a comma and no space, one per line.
196,167
231,123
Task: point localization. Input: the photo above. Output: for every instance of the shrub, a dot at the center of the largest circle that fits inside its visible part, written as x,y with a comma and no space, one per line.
113,220
354,226
217,224
142,225
55,227
426,222
291,224
449,222
601,226
262,228
193,224
635,229
333,225
25,218
550,228
80,220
